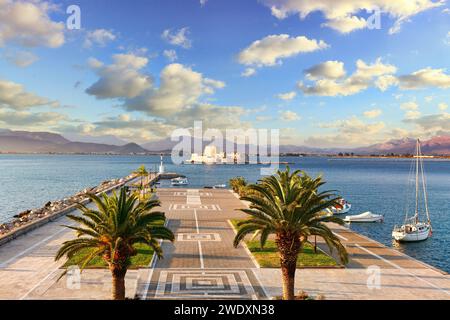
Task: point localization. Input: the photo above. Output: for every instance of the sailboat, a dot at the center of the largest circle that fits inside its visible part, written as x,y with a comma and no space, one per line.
413,228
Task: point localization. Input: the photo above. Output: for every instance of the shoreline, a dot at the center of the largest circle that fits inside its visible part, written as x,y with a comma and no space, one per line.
31,219
286,155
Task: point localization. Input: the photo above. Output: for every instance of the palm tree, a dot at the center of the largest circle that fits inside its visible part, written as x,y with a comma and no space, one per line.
238,184
141,172
289,205
111,230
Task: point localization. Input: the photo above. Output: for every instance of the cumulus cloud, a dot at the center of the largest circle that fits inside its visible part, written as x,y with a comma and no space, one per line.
121,79
270,50
171,55
342,15
410,106
27,23
13,119
180,87
178,38
99,37
289,116
375,113
384,82
328,70
14,96
329,81
443,106
177,101
425,78
348,132
412,114
124,126
346,24
249,72
434,124
20,59
287,96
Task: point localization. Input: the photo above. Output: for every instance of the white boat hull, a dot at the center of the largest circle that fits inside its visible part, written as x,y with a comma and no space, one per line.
365,217
415,235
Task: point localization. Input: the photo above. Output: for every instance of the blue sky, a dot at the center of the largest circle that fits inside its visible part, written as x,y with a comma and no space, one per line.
74,83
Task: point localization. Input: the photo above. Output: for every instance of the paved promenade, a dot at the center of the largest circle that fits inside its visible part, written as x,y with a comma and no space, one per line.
202,263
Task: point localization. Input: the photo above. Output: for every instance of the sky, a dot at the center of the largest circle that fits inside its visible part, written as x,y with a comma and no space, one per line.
326,73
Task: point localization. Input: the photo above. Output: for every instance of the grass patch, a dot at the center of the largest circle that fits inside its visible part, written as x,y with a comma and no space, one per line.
268,256
142,259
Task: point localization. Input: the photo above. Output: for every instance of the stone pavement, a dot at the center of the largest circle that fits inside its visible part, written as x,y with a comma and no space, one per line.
203,264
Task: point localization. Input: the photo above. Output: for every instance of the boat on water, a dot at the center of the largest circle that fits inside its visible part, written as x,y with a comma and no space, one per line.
364,217
414,229
220,186
180,181
342,207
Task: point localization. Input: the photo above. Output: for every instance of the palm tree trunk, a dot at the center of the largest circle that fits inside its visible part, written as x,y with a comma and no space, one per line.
289,246
118,283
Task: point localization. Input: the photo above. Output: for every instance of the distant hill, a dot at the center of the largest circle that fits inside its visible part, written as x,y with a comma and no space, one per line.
44,142
439,145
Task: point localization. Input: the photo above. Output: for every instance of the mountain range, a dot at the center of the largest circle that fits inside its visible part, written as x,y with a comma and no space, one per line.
46,142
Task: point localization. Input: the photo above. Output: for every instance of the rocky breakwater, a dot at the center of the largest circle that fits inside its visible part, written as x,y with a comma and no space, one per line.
25,220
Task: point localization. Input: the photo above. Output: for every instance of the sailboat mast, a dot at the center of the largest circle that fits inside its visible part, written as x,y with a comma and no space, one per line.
417,181
424,185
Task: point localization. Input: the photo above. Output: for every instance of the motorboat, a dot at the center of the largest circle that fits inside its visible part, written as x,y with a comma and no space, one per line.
364,217
341,207
180,181
414,229
220,186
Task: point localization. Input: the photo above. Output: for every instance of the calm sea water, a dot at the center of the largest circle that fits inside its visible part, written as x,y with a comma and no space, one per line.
378,185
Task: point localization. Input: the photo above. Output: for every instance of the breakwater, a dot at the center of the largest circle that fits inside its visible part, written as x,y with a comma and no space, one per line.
31,219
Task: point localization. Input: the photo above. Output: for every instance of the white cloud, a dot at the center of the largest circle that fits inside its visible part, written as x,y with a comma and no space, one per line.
171,55
21,59
328,70
178,38
249,72
289,116
411,106
424,78
434,124
346,24
342,14
349,132
412,114
99,37
447,39
384,82
14,96
328,84
180,87
121,79
176,102
27,23
443,106
375,113
14,119
287,96
270,50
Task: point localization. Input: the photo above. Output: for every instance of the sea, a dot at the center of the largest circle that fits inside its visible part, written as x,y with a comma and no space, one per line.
382,186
